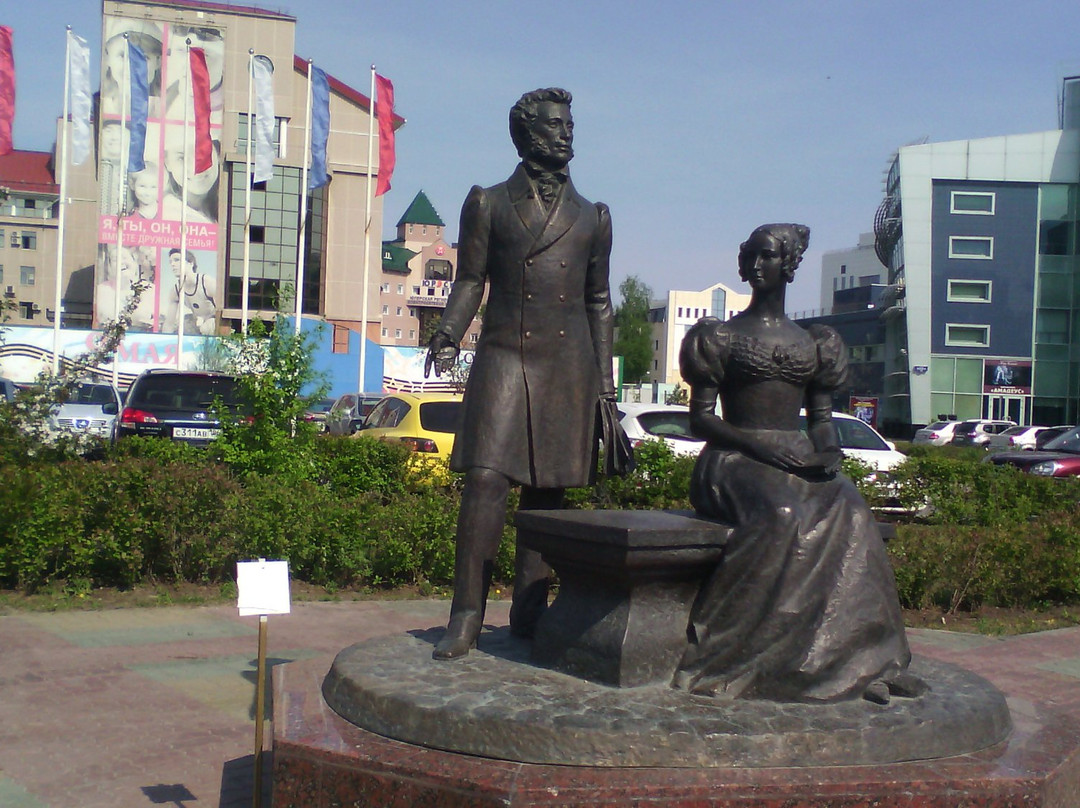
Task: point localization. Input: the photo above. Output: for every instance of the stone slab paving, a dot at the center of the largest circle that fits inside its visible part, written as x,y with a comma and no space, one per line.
155,706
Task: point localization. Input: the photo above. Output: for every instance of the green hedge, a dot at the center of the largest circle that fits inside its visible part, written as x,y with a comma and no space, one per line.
357,512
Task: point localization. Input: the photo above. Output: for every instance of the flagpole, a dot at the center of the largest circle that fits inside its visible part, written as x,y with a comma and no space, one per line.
367,236
301,252
57,298
247,194
125,148
182,279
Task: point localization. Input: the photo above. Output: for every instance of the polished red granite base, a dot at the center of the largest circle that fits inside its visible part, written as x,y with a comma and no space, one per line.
321,760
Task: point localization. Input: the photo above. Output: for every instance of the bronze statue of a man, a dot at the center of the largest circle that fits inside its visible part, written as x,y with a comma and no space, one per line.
542,362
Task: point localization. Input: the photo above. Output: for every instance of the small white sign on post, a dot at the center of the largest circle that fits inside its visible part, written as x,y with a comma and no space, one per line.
262,587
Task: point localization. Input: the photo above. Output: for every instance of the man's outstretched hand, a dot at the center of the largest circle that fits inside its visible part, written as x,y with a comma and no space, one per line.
442,355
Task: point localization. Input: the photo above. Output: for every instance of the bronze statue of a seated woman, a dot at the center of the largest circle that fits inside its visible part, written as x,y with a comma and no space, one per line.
803,606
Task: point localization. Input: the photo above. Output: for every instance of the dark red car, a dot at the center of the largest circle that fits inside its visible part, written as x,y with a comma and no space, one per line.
1058,458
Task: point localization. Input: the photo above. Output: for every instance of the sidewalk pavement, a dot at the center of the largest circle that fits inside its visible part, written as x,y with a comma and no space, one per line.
155,706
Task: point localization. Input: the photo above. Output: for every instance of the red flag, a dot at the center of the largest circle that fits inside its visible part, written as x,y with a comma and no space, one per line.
7,89
384,109
200,89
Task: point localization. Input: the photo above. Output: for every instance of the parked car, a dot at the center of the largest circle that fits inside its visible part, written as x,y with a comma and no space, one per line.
1025,437
978,431
179,405
7,389
938,433
425,422
671,424
667,422
317,411
349,411
1059,458
1049,434
90,410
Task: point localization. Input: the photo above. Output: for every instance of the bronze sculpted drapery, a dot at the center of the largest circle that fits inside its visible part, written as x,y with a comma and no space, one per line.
803,606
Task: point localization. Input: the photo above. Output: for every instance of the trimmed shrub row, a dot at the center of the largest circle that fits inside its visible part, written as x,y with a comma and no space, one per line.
357,512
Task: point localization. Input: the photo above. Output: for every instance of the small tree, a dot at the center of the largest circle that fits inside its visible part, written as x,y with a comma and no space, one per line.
276,377
680,395
634,333
24,430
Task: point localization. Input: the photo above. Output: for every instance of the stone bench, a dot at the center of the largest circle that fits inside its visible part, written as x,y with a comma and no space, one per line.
627,580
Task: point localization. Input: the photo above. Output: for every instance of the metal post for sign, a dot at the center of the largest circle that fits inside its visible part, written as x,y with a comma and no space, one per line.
260,707
262,589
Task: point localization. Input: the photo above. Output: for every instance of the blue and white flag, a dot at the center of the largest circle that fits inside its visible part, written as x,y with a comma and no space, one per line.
79,87
140,104
263,70
320,127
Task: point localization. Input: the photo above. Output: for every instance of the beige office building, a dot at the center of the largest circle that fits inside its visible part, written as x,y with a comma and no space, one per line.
153,202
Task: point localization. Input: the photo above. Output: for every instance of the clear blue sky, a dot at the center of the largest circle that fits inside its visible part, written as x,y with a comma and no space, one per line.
696,121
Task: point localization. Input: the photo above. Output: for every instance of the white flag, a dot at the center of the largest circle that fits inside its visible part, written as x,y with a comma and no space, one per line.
79,78
264,119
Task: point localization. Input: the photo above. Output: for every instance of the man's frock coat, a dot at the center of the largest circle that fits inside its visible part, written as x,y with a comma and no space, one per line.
544,354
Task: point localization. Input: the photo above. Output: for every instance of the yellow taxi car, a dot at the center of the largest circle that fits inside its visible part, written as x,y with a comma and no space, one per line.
425,422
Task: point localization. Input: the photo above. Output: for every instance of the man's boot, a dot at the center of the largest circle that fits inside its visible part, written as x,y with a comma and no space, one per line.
532,577
479,531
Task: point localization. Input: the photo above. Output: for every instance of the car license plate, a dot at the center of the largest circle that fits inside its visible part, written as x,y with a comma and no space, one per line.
195,433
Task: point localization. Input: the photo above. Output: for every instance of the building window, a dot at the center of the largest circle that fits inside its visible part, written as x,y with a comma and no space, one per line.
280,129
401,289
385,332
416,291
29,240
385,310
978,203
397,333
977,247
26,309
969,291
967,336
473,337
412,333
843,269
26,276
1052,327
341,339
399,311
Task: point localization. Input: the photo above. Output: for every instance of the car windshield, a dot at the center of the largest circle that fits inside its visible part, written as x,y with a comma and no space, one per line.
966,427
86,393
938,425
1016,430
440,416
854,434
1068,442
675,424
186,392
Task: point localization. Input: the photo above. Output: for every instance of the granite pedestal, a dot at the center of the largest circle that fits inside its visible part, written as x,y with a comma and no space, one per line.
322,760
